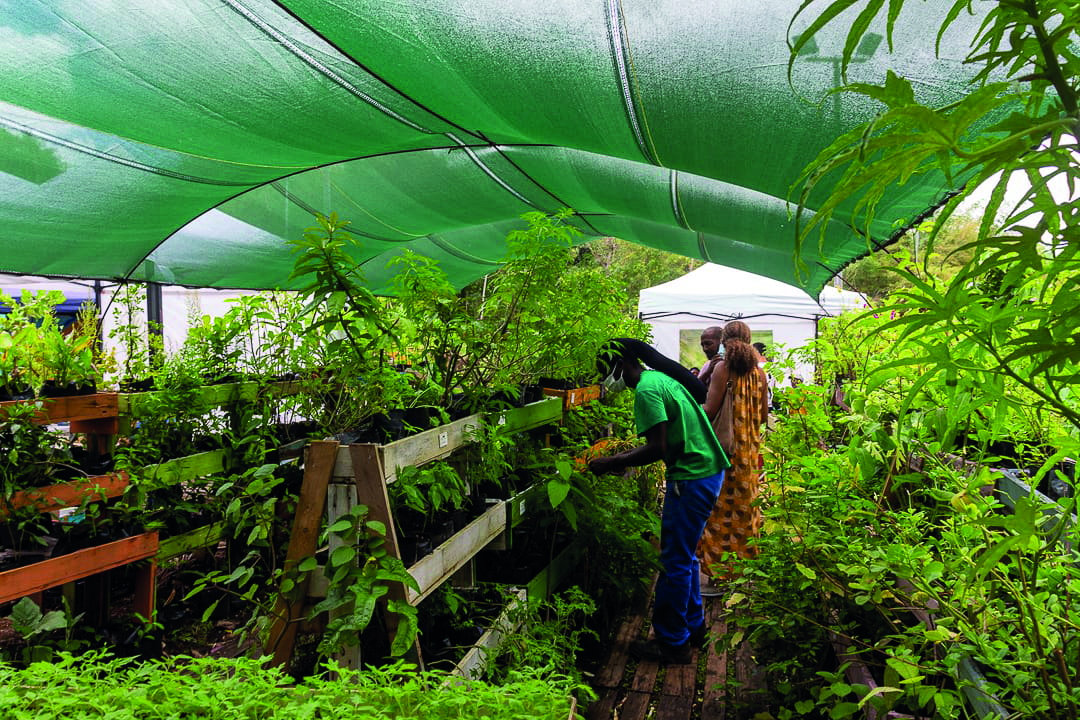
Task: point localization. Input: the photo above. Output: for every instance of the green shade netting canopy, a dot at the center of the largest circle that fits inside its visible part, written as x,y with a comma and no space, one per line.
182,141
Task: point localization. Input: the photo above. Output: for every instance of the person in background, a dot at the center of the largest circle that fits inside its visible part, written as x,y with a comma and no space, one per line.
668,414
735,521
759,348
710,345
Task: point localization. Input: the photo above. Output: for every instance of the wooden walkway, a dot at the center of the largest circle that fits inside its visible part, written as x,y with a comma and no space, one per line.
718,685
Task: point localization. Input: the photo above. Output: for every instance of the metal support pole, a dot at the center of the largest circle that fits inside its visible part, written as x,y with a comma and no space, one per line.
154,318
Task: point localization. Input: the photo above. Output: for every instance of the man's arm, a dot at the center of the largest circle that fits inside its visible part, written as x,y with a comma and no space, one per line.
654,449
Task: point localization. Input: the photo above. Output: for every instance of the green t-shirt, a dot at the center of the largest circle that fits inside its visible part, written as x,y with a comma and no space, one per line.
693,451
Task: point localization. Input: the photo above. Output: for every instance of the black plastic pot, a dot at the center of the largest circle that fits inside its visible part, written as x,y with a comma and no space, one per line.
390,425
131,385
442,531
413,548
419,417
16,392
51,389
531,394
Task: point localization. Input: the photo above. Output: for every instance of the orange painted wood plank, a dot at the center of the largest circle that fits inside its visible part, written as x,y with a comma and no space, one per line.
24,581
69,494
77,407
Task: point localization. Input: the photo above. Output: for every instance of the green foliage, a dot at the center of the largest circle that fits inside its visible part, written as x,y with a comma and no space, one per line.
986,356
549,639
540,314
34,350
38,630
634,267
360,572
97,685
347,320
429,489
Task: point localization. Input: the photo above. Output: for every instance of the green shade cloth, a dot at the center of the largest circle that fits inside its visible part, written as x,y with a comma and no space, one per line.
182,141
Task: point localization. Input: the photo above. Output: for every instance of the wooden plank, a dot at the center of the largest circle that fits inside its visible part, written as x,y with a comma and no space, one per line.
192,540
415,450
475,661
1011,488
433,570
69,494
187,468
644,679
674,707
519,506
97,426
750,682
370,478
680,680
635,706
973,684
611,674
209,396
533,415
440,442
604,705
714,701
30,579
575,397
302,543
64,409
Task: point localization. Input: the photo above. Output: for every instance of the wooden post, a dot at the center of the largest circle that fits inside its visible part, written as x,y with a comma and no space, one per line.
370,477
302,543
340,500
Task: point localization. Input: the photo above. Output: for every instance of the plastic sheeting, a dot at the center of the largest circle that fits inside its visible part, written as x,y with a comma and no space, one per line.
182,142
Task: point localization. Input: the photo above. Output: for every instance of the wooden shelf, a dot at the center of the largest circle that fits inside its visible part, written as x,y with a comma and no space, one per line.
188,467
575,397
192,540
433,570
69,494
66,409
23,581
136,405
439,443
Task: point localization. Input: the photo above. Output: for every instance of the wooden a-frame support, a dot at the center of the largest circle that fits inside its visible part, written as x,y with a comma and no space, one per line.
303,541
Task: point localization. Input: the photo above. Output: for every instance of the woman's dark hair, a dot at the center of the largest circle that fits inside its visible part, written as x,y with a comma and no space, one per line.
631,349
739,357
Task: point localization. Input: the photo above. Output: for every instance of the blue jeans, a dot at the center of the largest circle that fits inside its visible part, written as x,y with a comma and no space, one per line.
677,610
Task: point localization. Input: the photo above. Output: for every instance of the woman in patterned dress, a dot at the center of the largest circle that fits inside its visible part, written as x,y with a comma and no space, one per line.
735,521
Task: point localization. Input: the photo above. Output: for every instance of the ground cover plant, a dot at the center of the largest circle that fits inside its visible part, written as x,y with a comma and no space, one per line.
98,686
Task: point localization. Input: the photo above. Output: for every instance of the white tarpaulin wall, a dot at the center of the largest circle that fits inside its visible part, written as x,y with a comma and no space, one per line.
714,295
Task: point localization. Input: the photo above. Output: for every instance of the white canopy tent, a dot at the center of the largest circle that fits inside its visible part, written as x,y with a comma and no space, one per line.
781,315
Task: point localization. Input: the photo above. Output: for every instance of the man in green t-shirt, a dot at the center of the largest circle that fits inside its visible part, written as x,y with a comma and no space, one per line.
675,428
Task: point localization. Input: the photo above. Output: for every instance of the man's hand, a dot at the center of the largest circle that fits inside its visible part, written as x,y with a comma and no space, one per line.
603,465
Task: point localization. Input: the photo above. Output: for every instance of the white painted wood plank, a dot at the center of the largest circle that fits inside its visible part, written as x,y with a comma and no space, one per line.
431,571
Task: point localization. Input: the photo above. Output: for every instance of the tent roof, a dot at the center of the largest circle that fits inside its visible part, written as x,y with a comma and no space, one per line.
182,142
723,293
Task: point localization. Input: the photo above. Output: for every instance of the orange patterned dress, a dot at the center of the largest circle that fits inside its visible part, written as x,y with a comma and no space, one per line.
735,520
